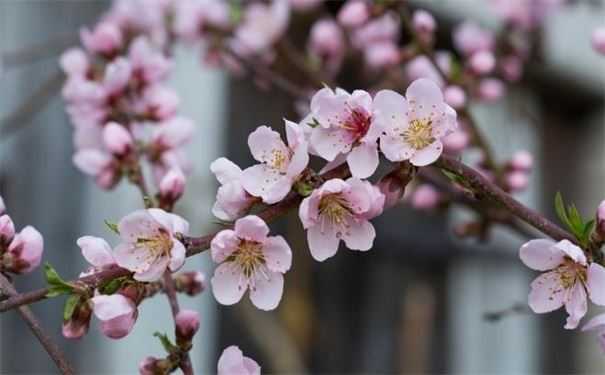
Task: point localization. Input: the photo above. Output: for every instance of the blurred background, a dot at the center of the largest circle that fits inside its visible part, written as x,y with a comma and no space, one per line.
415,303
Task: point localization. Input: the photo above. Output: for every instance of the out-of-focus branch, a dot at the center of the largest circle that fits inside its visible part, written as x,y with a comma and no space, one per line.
43,50
6,287
169,287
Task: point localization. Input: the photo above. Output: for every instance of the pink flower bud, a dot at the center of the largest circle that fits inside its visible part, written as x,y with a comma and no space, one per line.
116,138
116,313
470,38
7,229
456,142
382,54
326,38
517,180
482,62
353,14
152,366
191,283
601,219
77,325
511,67
598,40
187,324
455,96
425,197
74,62
392,189
105,38
160,102
25,250
491,89
172,185
424,23
522,161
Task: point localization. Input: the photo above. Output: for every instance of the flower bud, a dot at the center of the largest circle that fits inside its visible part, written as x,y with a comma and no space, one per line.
154,366
105,38
392,189
381,55
116,138
7,230
598,40
116,313
172,185
454,96
456,142
77,325
160,102
601,219
191,283
522,161
425,197
517,180
424,24
326,38
74,62
25,251
482,62
187,324
353,14
491,89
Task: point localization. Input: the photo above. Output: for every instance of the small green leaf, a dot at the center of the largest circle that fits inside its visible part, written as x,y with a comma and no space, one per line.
303,188
235,12
112,227
112,286
57,285
166,343
58,290
560,208
70,306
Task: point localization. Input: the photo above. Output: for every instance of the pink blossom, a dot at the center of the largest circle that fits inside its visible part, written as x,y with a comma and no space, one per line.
414,126
424,24
233,362
569,278
193,17
456,142
525,14
598,40
159,102
172,185
232,201
172,133
262,25
280,164
482,62
425,197
151,366
422,67
341,210
491,89
25,251
392,189
383,29
327,43
116,313
517,180
597,324
149,244
105,38
149,65
117,138
353,13
522,161
345,128
249,258
74,62
117,76
511,67
191,283
187,324
454,96
77,325
7,230
381,55
98,164
470,38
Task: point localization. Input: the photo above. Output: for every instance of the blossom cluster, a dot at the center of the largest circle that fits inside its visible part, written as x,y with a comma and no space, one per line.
21,252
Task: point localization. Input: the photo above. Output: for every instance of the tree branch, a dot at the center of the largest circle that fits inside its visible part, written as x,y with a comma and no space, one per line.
34,325
185,363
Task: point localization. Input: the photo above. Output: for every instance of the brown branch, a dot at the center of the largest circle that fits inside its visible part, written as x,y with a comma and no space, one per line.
34,325
169,288
488,190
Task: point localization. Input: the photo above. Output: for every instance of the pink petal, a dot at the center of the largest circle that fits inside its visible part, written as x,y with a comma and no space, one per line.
177,256
267,290
299,161
360,235
423,96
278,256
363,160
294,134
328,143
252,228
231,362
540,255
576,306
251,366
264,142
108,307
309,210
225,170
263,181
596,283
228,284
131,257
597,322
173,223
119,327
572,251
91,161
357,195
96,251
323,243
427,155
138,224
154,272
223,245
394,148
327,107
547,293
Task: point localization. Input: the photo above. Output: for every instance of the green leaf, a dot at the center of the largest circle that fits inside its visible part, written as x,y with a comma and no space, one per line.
235,12
112,226
560,208
575,219
303,188
57,285
58,290
70,306
166,343
112,286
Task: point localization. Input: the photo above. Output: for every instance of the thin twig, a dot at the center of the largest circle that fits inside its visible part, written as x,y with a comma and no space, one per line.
170,289
34,325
